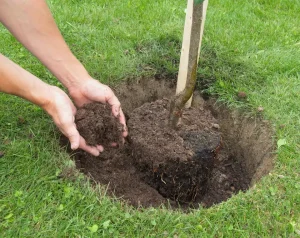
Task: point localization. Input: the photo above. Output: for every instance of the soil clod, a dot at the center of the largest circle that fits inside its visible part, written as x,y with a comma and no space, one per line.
260,109
97,125
242,95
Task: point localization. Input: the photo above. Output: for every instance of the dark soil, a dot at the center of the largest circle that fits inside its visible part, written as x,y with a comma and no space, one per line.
97,125
203,162
177,163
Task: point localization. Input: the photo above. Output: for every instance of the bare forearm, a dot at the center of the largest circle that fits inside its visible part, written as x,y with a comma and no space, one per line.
32,24
17,81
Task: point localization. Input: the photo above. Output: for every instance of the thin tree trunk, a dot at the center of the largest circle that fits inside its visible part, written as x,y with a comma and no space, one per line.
179,101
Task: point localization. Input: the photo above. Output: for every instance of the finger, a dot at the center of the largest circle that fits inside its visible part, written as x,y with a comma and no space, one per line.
74,110
113,144
90,149
118,112
115,105
73,136
122,120
100,148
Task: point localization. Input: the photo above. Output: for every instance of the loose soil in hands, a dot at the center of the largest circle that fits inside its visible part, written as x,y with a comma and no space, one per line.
212,155
97,125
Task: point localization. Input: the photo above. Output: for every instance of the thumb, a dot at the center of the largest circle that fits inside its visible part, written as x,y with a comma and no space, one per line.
74,137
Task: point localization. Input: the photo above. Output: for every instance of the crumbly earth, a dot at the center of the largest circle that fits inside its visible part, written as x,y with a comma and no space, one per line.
139,175
177,162
97,125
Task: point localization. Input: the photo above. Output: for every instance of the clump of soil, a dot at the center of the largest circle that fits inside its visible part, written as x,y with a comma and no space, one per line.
186,167
97,125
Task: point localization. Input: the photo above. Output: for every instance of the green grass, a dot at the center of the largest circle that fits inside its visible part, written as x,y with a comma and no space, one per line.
253,46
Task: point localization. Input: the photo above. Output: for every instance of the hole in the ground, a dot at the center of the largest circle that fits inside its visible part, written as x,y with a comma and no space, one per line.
214,154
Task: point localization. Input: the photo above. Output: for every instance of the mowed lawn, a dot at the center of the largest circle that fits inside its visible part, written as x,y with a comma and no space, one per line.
251,46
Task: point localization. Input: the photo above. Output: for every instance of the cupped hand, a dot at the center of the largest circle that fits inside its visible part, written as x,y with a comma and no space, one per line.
91,90
62,111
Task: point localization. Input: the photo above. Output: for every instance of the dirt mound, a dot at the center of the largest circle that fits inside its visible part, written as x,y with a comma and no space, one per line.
186,167
177,163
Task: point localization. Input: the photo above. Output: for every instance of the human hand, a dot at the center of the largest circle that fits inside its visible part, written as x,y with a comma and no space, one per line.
91,90
62,111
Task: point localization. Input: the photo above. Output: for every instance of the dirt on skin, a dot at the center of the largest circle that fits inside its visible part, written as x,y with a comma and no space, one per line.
196,164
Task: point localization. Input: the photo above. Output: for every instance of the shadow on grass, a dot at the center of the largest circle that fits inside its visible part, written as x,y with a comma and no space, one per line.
161,57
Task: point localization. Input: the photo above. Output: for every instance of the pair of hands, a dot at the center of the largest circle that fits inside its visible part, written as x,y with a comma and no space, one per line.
63,111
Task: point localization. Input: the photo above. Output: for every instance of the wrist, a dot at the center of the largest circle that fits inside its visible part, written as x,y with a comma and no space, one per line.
70,72
79,86
38,93
47,101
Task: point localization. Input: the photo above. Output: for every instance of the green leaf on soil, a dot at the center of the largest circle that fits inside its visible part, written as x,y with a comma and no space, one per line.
93,228
272,191
8,216
291,227
230,228
18,193
61,207
106,224
281,142
153,222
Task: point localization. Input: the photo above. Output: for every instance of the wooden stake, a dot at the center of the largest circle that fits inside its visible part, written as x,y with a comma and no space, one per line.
185,62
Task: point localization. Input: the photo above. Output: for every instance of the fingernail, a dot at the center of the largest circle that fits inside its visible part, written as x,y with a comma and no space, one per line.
100,148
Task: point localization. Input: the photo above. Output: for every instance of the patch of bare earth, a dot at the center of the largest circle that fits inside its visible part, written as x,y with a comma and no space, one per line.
213,154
